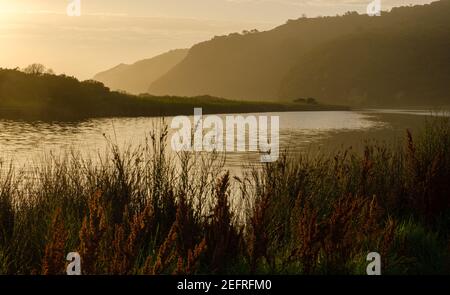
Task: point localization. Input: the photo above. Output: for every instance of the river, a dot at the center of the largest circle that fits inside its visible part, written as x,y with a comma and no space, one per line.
24,143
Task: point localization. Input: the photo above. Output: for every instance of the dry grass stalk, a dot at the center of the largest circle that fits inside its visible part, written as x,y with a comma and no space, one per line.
54,258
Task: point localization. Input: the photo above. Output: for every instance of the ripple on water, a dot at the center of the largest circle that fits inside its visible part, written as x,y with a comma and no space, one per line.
24,142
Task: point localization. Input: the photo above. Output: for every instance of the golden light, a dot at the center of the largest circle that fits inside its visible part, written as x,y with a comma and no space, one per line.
6,6
7,9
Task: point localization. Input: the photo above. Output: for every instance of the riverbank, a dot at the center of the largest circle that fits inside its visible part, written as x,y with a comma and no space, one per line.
151,106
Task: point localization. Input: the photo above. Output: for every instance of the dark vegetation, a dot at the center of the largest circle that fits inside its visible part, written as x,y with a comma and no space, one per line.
401,58
137,212
41,95
309,100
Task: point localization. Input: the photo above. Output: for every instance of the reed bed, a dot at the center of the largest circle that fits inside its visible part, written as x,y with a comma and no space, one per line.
145,211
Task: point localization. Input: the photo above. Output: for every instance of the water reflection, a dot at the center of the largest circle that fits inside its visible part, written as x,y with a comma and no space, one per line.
24,142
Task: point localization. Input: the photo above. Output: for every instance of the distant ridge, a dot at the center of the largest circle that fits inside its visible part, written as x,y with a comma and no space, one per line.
136,78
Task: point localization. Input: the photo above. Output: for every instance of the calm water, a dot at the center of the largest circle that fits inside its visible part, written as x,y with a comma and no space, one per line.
25,142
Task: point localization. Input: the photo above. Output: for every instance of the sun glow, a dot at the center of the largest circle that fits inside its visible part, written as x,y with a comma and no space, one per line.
6,8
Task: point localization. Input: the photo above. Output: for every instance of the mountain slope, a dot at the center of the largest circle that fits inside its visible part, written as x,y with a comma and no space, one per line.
377,70
267,65
401,65
248,66
137,77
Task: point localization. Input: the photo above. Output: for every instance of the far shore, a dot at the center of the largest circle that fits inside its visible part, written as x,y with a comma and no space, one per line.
150,106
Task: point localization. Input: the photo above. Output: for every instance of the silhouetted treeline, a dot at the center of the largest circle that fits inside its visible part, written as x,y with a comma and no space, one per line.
46,96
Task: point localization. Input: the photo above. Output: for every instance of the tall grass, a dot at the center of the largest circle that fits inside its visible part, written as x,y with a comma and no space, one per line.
147,211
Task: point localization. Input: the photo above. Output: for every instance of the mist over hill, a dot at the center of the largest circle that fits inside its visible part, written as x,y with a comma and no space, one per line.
399,58
137,77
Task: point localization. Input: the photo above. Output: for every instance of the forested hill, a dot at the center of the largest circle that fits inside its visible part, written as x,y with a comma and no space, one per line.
44,96
399,58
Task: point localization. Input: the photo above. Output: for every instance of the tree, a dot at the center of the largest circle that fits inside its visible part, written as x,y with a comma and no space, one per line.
300,100
35,69
311,100
49,72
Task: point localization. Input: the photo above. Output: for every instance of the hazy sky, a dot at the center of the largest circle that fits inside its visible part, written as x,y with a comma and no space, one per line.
110,32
